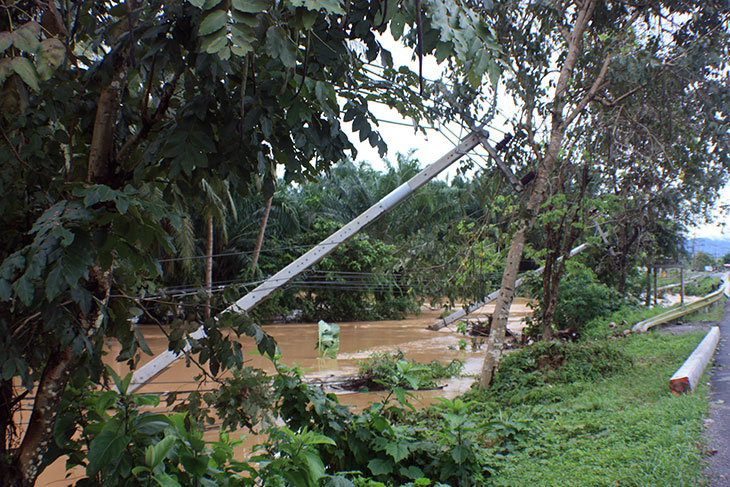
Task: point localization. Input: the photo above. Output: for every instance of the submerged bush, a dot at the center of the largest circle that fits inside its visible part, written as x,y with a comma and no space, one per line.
394,370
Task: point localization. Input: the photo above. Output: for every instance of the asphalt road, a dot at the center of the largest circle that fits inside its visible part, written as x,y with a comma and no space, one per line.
718,423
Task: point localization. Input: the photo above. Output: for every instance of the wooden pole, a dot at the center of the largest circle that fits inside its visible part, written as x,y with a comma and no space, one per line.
681,285
648,285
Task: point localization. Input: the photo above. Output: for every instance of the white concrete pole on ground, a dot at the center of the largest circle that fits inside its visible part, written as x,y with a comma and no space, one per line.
685,379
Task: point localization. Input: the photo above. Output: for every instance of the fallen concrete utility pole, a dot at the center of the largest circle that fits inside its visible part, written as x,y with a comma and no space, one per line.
685,379
317,253
461,313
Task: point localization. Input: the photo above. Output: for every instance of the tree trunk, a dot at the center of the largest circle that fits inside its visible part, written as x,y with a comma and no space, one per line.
537,197
262,230
102,168
39,433
648,285
549,289
622,274
209,266
558,243
495,344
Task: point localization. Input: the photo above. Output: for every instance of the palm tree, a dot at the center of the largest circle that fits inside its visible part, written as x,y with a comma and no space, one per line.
215,192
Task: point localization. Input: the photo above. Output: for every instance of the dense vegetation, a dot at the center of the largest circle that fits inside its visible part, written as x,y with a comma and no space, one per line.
554,408
139,138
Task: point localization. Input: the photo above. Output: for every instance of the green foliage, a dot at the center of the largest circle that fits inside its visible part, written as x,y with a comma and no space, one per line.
528,375
702,286
376,445
700,260
625,429
713,315
581,298
353,283
394,370
624,318
122,441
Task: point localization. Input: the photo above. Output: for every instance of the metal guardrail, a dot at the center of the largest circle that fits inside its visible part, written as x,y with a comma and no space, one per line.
692,307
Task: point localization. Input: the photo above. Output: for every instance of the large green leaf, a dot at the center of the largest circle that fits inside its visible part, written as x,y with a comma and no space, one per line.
165,480
338,481
24,289
24,68
6,40
104,449
213,22
380,467
154,454
25,37
51,55
6,69
314,465
278,45
397,450
251,6
330,6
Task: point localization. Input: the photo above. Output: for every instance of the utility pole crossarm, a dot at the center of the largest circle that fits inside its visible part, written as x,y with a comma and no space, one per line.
516,184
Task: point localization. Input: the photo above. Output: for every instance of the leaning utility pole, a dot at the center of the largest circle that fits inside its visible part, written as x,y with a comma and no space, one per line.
320,251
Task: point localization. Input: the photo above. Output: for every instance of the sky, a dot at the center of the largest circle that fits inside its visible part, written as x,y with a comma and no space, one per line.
437,142
401,137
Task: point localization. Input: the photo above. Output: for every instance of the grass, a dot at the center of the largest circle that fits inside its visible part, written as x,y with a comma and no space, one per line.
703,286
626,429
624,319
714,314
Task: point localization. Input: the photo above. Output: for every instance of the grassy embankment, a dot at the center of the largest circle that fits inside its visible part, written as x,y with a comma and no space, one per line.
596,413
623,429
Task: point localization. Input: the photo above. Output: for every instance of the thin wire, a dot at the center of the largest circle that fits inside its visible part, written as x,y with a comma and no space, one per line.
406,124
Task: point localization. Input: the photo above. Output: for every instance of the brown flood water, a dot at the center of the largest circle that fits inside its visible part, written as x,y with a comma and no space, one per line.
358,340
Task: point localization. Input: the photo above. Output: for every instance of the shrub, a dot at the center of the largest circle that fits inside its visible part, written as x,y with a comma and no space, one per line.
524,375
702,286
393,370
581,298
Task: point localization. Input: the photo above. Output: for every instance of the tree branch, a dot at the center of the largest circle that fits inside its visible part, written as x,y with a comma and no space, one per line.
149,122
598,81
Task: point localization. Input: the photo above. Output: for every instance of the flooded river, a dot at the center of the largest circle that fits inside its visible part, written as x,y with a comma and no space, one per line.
358,340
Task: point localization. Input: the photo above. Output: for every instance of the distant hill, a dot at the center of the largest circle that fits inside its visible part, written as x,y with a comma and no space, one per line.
713,246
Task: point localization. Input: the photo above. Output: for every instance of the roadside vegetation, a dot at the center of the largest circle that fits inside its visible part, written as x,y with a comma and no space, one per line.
614,423
160,159
714,314
591,413
702,286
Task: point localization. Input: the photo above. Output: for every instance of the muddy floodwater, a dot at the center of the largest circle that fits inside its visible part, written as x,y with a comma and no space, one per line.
358,340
